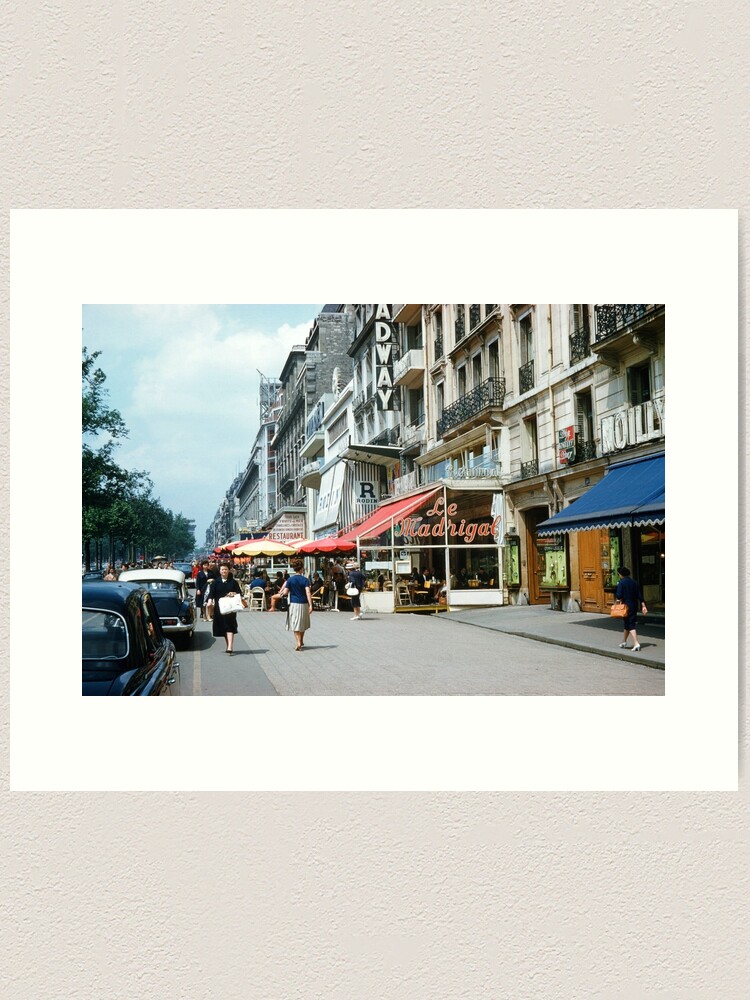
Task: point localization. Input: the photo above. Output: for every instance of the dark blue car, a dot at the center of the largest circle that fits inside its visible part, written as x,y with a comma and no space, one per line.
124,650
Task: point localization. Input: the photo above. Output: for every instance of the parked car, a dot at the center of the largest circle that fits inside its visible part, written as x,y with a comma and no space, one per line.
93,574
124,650
176,607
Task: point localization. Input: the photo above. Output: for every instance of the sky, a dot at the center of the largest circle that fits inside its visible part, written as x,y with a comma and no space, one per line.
185,380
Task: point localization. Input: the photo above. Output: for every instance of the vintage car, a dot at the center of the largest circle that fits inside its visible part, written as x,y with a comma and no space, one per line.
124,650
175,605
187,569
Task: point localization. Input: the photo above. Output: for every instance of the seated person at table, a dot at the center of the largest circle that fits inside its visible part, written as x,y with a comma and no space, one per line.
483,577
318,587
258,581
417,577
276,597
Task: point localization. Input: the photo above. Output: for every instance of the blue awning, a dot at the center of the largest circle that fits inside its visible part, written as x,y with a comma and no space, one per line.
630,495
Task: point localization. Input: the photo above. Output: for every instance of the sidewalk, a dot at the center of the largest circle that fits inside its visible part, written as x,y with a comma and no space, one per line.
587,632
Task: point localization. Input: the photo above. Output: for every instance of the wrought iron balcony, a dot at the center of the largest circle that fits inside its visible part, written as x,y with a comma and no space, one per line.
580,345
611,319
487,394
585,450
488,309
529,469
459,327
388,436
361,401
526,377
438,346
474,314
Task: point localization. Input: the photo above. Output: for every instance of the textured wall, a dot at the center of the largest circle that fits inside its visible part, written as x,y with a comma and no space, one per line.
375,895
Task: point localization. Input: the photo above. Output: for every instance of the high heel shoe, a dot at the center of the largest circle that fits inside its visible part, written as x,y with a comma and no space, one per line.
636,648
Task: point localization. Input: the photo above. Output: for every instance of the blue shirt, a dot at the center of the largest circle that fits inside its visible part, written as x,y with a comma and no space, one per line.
296,586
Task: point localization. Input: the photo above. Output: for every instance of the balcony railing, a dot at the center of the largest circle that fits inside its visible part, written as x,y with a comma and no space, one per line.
526,377
388,436
613,318
474,314
529,469
361,401
438,346
491,392
585,450
580,345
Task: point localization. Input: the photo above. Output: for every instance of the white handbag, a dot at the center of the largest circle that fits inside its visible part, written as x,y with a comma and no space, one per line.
230,605
352,591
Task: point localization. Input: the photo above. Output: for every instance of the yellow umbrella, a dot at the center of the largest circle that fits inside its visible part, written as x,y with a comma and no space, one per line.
264,547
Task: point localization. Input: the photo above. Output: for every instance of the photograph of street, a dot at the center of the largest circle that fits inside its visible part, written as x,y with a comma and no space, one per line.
404,499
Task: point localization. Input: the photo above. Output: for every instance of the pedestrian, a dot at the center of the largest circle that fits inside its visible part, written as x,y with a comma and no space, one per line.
356,582
224,625
300,608
338,584
213,576
629,592
201,583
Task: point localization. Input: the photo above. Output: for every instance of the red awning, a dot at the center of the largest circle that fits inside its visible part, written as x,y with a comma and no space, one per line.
394,510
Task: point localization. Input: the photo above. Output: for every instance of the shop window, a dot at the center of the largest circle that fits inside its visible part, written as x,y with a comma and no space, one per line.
553,562
512,562
615,558
639,384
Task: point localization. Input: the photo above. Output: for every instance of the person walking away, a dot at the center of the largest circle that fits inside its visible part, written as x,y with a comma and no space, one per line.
201,582
338,584
224,625
629,592
297,587
213,575
357,581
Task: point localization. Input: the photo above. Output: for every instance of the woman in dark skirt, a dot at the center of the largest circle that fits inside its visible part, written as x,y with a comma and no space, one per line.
224,625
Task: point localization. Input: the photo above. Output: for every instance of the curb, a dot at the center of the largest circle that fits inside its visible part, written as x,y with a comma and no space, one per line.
655,664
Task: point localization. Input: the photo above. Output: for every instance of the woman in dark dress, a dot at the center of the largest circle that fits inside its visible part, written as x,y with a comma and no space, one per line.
224,625
201,582
629,592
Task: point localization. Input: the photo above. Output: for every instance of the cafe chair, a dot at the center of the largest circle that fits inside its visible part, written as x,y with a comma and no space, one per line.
257,599
317,601
403,597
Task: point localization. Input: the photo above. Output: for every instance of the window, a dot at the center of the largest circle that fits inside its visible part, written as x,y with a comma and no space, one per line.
476,370
439,399
579,318
493,358
459,328
585,447
639,384
473,316
526,338
529,444
415,404
461,381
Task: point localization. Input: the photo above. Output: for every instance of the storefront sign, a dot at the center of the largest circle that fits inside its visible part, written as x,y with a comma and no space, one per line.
633,425
288,528
384,358
566,445
448,523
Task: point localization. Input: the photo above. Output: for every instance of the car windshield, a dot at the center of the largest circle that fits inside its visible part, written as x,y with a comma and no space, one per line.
104,636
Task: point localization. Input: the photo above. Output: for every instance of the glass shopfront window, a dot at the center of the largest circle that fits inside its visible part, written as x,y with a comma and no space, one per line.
553,562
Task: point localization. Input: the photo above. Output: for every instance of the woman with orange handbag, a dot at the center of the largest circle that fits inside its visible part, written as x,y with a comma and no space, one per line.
629,592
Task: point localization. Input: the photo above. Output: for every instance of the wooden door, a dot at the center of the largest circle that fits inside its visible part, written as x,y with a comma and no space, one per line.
534,559
591,580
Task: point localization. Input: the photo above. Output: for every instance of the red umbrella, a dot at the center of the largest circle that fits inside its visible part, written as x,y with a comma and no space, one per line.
326,547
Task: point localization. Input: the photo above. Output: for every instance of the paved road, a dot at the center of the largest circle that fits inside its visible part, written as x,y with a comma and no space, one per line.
402,654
